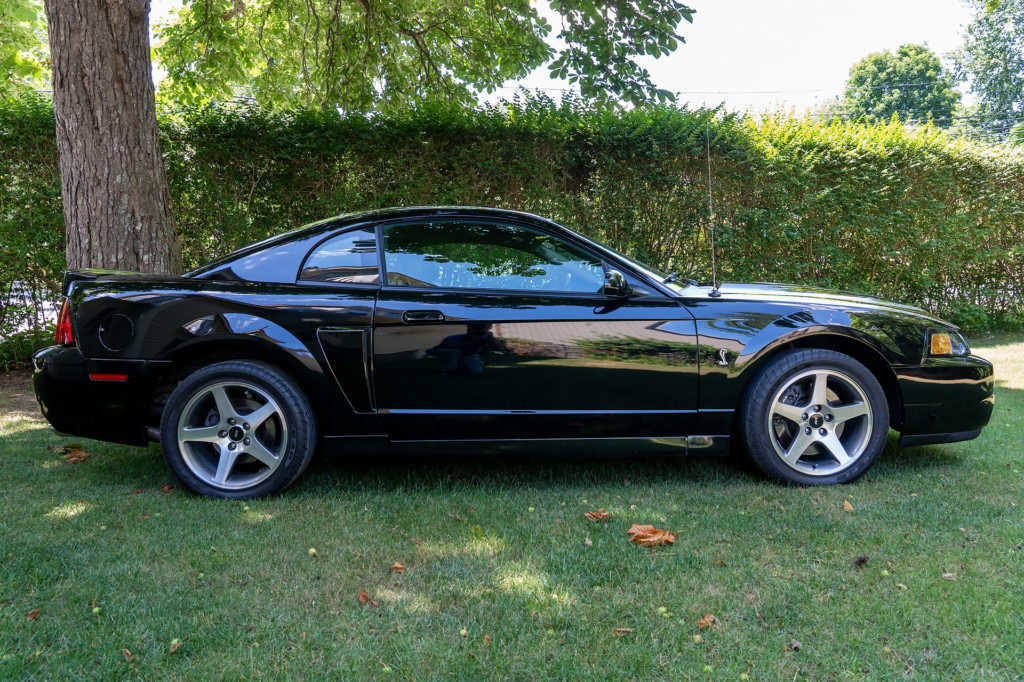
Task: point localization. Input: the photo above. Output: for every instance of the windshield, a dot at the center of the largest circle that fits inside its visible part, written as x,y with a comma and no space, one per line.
642,268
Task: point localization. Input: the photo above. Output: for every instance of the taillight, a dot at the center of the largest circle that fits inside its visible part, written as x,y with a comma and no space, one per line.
63,333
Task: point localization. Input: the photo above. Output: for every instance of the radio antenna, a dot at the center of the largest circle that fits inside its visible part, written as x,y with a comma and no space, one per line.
714,293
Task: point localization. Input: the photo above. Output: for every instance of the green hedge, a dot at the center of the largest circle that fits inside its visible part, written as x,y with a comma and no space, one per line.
912,215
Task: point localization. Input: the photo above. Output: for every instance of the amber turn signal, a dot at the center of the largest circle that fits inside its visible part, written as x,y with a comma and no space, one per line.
941,344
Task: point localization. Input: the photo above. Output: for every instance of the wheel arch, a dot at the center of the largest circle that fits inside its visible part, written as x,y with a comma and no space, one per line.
191,357
857,349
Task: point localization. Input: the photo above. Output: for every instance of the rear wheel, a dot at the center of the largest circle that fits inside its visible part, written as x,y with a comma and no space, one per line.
814,417
237,429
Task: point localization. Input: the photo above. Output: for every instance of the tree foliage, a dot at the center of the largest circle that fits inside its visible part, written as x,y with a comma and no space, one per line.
909,214
992,60
910,84
23,63
359,55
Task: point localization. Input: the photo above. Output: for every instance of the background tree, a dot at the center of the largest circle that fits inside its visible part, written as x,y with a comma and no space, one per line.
992,60
117,206
22,46
375,54
355,54
910,83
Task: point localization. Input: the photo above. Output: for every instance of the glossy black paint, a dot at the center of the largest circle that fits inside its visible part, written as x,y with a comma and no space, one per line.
528,356
667,364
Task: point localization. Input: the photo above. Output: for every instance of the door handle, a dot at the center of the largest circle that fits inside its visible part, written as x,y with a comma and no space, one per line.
412,316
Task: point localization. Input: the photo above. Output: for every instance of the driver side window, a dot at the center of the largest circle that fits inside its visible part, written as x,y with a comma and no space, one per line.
485,255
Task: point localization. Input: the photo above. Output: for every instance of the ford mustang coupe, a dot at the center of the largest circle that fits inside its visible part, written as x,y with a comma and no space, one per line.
487,326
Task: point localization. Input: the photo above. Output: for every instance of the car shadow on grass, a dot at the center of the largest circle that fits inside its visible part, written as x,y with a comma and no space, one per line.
447,467
431,467
534,466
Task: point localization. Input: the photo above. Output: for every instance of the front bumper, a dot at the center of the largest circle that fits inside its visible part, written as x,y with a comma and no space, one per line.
945,399
103,410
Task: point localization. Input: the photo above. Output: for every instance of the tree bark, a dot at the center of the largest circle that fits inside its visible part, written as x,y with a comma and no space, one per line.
117,204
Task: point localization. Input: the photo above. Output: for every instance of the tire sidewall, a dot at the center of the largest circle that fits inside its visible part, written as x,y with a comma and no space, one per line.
293,403
757,405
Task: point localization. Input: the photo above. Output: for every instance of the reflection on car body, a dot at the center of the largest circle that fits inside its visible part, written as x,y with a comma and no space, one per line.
442,324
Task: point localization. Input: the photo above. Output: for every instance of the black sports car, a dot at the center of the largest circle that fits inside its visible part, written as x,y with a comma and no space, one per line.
489,326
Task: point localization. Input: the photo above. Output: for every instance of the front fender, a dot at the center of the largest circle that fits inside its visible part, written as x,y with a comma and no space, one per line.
734,346
878,333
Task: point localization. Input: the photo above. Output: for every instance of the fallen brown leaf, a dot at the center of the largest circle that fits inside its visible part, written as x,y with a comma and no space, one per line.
618,632
860,561
166,487
365,599
417,541
718,563
487,639
794,645
127,654
708,621
649,536
175,645
76,456
847,507
33,614
599,515
398,567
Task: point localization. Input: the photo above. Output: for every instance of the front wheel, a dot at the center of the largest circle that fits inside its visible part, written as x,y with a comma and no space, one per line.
814,417
237,429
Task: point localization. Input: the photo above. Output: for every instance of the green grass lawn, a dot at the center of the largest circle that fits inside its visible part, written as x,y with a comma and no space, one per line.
505,578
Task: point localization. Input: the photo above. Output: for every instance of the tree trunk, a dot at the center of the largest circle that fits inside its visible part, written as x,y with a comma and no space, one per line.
117,204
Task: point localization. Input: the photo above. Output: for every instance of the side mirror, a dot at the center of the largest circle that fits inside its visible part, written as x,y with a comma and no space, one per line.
615,285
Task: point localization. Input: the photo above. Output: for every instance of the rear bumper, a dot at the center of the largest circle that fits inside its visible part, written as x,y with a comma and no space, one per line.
946,399
74,404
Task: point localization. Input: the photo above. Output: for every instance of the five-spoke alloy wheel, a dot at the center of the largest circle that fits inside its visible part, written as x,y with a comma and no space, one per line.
237,429
814,417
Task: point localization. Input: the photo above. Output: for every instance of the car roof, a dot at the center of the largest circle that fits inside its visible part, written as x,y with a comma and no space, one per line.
343,220
380,214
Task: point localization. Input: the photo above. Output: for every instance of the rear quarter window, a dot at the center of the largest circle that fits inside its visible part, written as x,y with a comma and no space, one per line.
348,258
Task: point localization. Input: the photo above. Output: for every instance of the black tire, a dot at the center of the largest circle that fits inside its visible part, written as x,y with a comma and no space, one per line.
779,420
265,458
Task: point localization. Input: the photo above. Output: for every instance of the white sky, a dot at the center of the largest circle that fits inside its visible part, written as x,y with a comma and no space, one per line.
776,54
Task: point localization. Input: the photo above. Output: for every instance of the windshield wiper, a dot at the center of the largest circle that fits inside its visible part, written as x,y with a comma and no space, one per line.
676,277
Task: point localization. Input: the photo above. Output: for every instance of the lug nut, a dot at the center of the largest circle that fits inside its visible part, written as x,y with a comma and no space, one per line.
828,417
808,430
231,420
246,441
232,445
222,433
816,408
245,426
823,432
804,416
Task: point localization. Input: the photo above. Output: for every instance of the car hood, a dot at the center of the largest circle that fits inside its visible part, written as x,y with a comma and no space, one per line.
817,296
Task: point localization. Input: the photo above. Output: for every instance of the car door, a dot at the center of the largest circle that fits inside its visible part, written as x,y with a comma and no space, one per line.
339,280
491,329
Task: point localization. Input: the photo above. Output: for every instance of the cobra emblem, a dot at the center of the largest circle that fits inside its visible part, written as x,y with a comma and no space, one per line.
723,358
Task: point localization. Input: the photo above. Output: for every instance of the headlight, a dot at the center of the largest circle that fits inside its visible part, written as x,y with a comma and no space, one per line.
946,343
